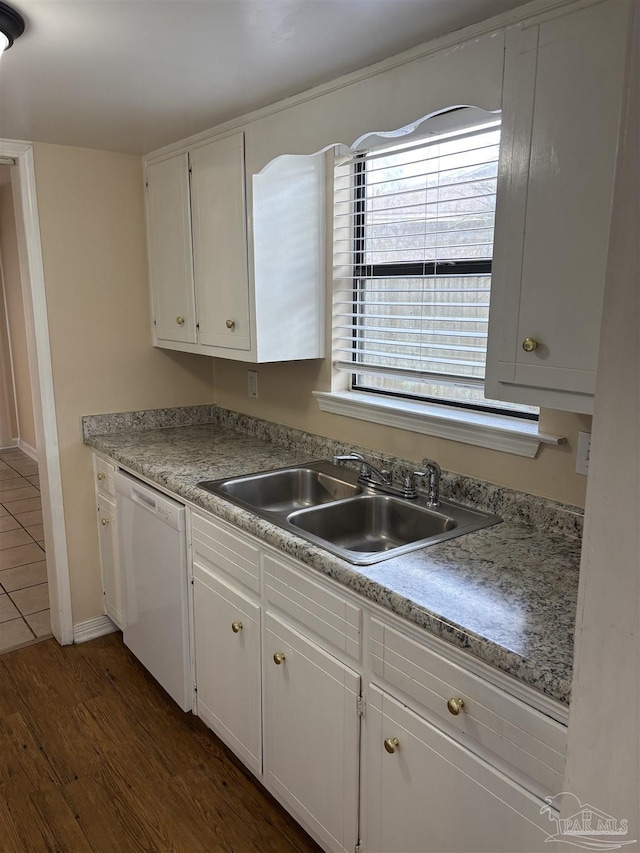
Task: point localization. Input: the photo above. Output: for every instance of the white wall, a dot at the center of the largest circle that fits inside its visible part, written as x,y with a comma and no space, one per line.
603,766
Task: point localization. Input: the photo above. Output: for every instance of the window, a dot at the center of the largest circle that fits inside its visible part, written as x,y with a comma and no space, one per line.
413,247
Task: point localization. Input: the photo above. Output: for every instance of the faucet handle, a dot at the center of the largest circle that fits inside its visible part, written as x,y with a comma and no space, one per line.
409,484
347,457
433,465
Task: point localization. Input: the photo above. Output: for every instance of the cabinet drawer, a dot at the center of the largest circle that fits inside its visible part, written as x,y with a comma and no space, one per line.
104,472
326,614
217,544
519,734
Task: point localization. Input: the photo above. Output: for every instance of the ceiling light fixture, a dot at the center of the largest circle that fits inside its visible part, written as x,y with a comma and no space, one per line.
11,26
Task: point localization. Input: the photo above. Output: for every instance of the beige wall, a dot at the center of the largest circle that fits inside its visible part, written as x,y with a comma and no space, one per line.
93,244
21,404
285,397
8,419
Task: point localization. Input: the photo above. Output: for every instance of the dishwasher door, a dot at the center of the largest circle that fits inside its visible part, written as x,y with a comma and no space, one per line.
153,560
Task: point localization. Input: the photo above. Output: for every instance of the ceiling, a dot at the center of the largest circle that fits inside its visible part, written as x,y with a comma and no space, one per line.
133,75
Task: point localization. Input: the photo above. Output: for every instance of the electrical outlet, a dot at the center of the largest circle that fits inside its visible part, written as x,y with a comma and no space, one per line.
584,448
252,383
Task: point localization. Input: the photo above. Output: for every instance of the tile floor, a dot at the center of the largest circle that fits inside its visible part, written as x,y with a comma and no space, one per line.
24,593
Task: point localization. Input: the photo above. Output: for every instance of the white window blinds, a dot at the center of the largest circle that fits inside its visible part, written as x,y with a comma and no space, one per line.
413,240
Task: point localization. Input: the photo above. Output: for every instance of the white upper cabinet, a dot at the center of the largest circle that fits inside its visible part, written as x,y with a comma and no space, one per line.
289,208
204,298
198,248
561,114
220,243
170,258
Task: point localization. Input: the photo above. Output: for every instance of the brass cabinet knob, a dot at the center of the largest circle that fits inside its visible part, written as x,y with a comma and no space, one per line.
180,320
278,658
236,627
230,324
391,744
529,344
455,706
101,476
104,521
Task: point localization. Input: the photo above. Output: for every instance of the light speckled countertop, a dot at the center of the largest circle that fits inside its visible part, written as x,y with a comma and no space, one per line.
506,594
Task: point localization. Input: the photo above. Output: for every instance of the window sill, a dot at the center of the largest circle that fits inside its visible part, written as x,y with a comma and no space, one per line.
496,432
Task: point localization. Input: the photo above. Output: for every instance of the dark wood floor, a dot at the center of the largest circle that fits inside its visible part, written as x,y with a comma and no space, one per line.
95,757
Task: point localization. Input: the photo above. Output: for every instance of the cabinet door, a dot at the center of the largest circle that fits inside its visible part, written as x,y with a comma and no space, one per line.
220,244
427,794
311,734
112,586
170,257
289,250
561,114
227,663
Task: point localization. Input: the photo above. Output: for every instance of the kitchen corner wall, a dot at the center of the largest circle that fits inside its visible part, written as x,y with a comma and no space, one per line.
285,396
91,210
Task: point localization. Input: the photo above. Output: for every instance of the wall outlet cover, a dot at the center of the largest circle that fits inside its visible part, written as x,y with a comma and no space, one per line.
582,456
252,383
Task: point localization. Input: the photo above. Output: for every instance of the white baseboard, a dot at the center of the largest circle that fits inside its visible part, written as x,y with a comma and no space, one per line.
93,628
22,445
26,448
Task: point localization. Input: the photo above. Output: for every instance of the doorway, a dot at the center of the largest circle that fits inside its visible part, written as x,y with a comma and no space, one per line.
19,157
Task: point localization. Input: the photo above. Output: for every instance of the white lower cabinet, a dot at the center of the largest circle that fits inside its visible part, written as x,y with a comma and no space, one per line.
424,793
108,544
112,583
227,648
311,728
373,734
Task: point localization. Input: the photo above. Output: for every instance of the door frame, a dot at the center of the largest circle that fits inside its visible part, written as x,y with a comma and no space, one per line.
23,184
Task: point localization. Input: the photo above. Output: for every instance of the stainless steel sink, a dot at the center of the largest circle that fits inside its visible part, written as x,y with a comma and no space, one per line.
372,523
325,504
286,489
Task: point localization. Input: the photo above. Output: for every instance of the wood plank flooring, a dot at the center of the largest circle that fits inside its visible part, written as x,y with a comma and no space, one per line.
95,757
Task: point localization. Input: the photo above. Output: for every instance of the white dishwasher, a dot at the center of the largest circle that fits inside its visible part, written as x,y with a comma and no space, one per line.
153,560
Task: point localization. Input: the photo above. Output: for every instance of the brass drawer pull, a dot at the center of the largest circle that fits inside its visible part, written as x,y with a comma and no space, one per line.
391,744
236,627
278,658
455,706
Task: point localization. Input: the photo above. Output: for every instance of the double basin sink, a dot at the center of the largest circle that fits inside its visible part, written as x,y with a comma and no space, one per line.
325,504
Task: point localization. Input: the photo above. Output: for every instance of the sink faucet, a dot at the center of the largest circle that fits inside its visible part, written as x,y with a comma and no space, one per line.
381,479
368,473
433,471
